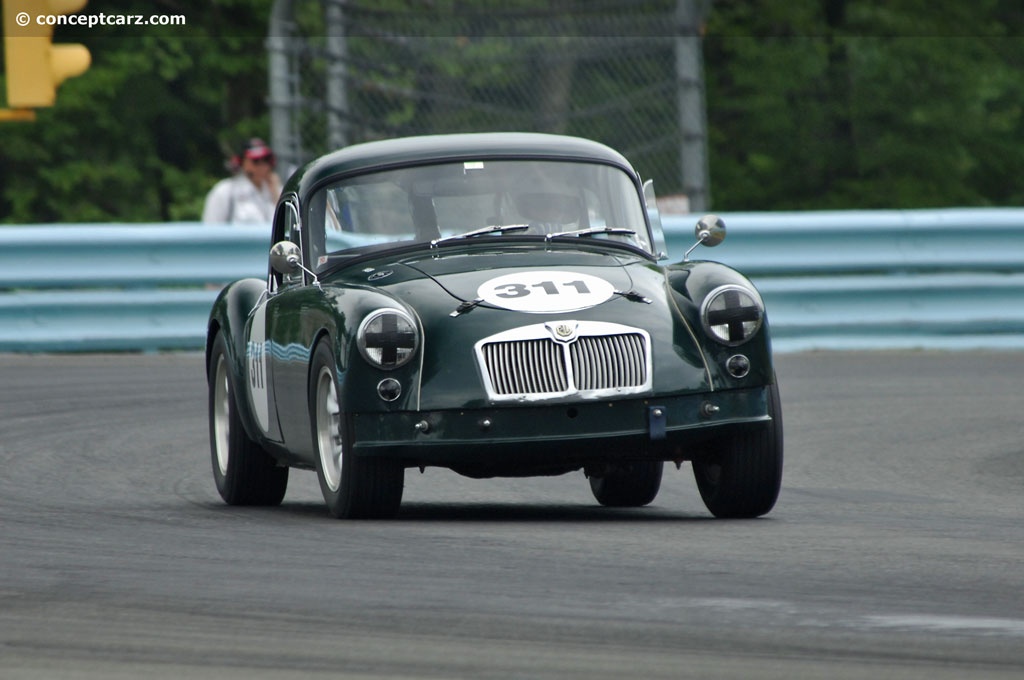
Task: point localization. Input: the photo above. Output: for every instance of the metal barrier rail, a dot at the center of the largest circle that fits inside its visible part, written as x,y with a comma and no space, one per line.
934,279
830,280
130,255
857,242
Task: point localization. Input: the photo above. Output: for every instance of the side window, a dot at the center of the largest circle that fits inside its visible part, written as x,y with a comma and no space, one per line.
293,233
291,222
659,246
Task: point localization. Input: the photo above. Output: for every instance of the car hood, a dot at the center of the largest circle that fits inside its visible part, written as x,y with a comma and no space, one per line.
461,298
533,283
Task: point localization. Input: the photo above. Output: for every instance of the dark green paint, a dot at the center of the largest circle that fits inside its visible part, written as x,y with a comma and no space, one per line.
442,385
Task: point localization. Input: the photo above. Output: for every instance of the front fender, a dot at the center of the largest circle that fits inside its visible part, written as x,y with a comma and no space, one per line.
228,316
359,378
690,283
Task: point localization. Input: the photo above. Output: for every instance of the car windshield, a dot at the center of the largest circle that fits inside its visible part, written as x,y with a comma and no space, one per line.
476,199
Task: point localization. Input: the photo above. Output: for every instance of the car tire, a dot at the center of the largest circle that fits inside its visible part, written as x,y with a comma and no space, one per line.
632,485
245,474
353,487
742,478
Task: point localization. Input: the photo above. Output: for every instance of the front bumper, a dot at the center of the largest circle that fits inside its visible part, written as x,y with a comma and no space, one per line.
508,437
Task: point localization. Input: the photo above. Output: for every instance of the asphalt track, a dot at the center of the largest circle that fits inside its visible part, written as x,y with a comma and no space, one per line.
896,549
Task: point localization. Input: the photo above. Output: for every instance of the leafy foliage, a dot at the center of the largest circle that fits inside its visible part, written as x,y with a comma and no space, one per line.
143,134
812,104
841,104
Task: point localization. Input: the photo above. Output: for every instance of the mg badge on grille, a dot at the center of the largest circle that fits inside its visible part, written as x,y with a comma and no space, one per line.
563,331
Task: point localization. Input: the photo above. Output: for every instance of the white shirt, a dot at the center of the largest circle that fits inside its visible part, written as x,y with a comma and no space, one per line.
236,200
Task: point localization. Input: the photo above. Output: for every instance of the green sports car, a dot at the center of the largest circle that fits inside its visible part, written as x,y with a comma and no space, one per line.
495,304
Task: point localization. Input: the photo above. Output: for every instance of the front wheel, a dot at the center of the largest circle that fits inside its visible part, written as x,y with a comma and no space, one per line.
632,485
244,473
353,487
742,477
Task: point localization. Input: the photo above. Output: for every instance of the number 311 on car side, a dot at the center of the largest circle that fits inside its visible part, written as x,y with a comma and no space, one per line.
495,304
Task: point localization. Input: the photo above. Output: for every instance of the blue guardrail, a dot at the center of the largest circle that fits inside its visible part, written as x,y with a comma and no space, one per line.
942,279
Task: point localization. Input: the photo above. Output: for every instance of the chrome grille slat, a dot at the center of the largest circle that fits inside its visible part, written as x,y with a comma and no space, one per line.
608,362
533,383
551,367
539,367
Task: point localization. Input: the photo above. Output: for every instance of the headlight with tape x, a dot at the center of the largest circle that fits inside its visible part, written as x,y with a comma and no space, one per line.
387,338
732,314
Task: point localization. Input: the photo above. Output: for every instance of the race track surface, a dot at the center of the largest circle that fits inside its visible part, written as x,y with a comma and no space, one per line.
896,549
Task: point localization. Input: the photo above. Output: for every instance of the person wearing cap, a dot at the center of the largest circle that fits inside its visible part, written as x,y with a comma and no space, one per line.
250,195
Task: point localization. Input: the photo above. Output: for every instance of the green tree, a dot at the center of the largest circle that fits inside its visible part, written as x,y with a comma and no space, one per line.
812,104
842,104
142,135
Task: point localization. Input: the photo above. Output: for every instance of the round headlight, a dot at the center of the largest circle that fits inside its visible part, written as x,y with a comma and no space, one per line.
387,338
732,314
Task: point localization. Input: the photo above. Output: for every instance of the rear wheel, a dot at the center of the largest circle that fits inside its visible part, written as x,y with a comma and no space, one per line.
630,485
742,477
245,474
353,487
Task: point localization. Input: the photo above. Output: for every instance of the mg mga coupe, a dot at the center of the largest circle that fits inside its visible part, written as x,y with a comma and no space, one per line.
495,304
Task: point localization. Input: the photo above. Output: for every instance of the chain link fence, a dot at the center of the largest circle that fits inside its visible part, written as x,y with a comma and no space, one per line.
623,72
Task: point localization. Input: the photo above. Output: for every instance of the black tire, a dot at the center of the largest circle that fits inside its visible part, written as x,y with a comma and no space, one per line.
631,485
353,487
742,478
245,474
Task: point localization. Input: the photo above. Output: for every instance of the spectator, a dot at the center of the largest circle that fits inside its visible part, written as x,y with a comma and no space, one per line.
250,195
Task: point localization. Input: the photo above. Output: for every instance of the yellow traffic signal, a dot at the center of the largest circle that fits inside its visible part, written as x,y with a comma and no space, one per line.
35,66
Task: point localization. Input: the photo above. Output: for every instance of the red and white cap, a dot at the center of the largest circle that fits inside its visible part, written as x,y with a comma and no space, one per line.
256,149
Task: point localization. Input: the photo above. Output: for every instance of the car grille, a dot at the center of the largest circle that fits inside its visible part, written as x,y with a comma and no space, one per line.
543,367
526,367
609,362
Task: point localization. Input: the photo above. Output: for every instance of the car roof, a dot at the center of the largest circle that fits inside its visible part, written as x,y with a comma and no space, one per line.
430,148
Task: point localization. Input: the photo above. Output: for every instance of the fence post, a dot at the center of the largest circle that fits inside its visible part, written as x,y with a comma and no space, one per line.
337,94
692,115
282,84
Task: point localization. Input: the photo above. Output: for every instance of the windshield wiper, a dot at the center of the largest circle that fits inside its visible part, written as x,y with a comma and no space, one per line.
634,296
494,229
592,232
465,306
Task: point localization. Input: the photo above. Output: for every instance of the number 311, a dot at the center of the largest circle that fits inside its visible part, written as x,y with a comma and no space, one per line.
516,290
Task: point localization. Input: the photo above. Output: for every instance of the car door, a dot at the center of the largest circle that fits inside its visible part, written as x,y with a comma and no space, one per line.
260,346
288,341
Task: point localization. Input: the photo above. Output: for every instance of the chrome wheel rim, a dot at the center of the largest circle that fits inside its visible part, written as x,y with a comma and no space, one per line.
221,414
328,428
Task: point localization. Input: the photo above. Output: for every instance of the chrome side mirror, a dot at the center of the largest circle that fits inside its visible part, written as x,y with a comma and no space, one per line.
285,258
710,231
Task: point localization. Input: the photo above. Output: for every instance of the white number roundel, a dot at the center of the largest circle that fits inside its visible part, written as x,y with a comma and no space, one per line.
545,292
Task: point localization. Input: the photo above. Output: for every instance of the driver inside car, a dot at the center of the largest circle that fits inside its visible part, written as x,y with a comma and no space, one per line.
550,213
